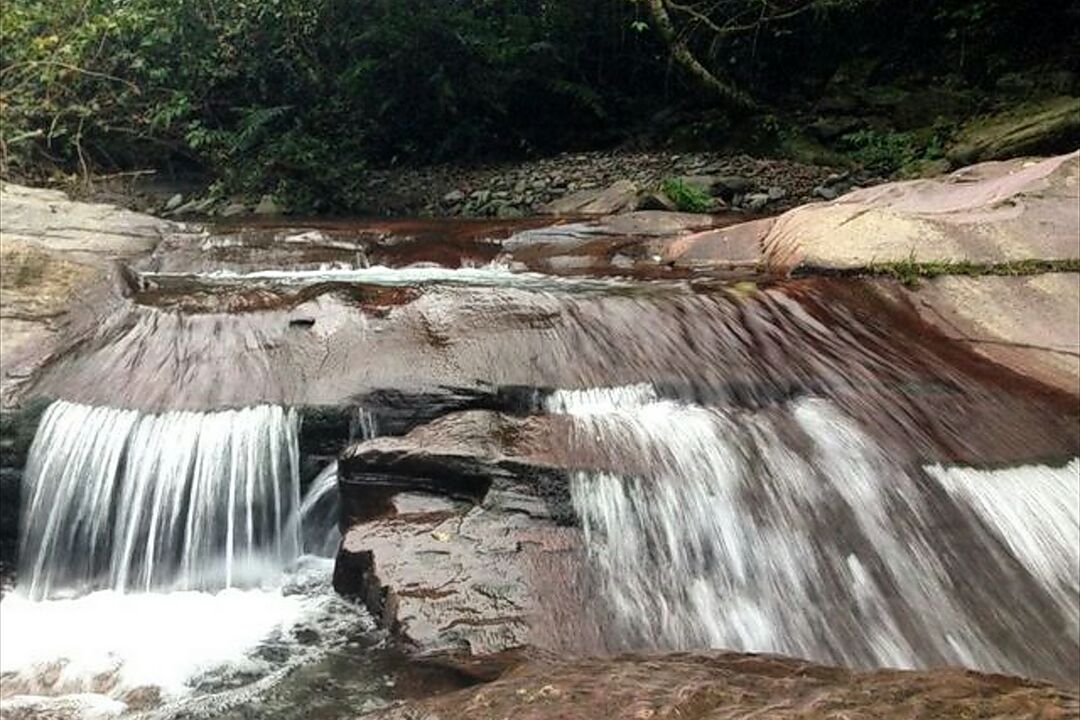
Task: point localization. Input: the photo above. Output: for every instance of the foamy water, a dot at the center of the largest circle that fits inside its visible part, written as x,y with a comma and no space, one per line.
792,530
138,639
490,275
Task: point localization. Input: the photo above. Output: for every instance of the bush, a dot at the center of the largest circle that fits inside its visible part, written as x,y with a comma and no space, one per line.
687,197
294,96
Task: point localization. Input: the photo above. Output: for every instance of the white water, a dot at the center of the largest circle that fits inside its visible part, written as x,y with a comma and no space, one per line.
1035,512
493,274
320,512
793,531
109,641
181,500
155,549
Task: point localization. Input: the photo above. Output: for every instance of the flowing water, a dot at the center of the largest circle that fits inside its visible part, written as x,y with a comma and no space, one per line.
181,500
790,469
793,530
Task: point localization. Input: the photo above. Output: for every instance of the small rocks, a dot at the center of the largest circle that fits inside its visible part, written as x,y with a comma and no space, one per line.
509,190
174,202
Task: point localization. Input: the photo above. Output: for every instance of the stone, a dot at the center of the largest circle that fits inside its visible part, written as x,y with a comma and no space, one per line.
58,259
268,206
776,193
980,214
620,196
453,197
656,201
234,209
705,685
509,212
756,201
832,127
174,202
825,192
729,185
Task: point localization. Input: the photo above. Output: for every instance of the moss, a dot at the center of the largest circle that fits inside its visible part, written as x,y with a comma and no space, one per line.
911,272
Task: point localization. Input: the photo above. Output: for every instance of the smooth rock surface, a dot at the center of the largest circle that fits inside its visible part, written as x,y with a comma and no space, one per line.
996,212
57,256
1029,324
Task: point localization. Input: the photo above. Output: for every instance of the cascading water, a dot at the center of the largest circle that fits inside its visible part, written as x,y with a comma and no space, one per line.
792,530
320,512
158,550
181,500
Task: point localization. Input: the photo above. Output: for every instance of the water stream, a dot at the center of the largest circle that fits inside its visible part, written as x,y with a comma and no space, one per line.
813,478
793,530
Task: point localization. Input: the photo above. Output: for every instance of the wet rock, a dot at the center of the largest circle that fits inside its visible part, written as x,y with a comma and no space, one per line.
620,196
1028,324
476,584
704,686
461,455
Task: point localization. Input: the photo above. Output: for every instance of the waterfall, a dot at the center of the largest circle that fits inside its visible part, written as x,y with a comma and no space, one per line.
320,512
793,530
130,501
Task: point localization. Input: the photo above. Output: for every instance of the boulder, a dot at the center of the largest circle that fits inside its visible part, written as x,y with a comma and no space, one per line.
472,583
620,196
1036,128
985,213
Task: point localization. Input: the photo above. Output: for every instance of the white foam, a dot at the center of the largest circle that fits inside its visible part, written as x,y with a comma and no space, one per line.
153,639
491,275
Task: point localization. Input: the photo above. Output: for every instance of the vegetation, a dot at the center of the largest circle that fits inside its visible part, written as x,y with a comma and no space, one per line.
911,272
687,197
297,97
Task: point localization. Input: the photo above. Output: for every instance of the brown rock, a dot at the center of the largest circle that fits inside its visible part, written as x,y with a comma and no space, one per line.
722,686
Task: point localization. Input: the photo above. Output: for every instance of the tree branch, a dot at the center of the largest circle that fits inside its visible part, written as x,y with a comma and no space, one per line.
727,93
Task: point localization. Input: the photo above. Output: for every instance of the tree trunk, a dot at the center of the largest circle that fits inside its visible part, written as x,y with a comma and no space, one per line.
726,92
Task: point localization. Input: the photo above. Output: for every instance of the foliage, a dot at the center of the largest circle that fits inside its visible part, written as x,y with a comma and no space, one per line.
297,97
687,197
890,152
294,96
